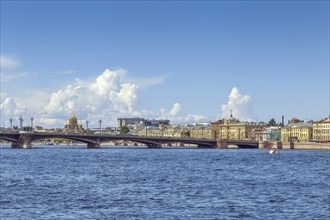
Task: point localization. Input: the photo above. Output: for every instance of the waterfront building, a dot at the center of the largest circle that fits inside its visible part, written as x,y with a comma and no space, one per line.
270,134
297,131
39,129
258,134
72,126
235,130
130,122
179,131
321,130
163,131
201,132
150,132
141,122
156,122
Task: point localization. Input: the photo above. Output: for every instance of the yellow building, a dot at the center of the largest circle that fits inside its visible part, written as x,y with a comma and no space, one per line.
151,132
234,129
321,130
201,132
297,132
162,131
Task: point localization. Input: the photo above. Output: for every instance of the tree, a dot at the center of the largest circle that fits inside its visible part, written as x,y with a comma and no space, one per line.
89,131
272,122
124,130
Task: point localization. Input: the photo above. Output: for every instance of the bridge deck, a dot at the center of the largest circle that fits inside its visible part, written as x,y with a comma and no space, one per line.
92,140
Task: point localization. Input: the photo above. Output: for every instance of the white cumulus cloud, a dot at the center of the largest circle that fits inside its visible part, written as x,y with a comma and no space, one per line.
105,97
191,118
176,109
164,114
239,105
175,116
11,108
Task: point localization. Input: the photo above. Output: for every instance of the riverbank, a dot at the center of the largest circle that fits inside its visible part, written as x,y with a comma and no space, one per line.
307,146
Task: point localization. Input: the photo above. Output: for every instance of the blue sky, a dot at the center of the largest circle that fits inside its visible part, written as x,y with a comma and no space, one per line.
181,60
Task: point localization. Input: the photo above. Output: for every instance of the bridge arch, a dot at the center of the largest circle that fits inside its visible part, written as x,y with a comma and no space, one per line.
92,140
9,139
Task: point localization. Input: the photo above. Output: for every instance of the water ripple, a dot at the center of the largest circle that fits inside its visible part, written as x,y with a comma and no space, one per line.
115,183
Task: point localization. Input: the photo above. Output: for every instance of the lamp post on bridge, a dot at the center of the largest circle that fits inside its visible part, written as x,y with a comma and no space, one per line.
100,122
32,119
20,122
11,123
87,122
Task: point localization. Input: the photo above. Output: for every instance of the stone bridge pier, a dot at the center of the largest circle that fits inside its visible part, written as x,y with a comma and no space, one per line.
93,145
24,141
154,145
202,146
222,144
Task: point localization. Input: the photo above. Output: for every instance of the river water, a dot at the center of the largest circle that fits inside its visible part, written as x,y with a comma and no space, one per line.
69,182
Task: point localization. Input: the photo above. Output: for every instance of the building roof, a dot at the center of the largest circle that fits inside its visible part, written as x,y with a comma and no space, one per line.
299,125
200,127
325,120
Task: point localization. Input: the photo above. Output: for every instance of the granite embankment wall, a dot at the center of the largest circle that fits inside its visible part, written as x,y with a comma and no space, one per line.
297,145
307,146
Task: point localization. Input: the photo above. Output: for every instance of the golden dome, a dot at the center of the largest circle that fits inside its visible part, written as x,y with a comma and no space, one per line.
73,121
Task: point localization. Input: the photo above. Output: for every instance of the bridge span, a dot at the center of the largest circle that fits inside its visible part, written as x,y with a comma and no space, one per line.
25,140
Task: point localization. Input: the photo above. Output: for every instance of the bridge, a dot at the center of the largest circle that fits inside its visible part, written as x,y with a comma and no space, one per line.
25,140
